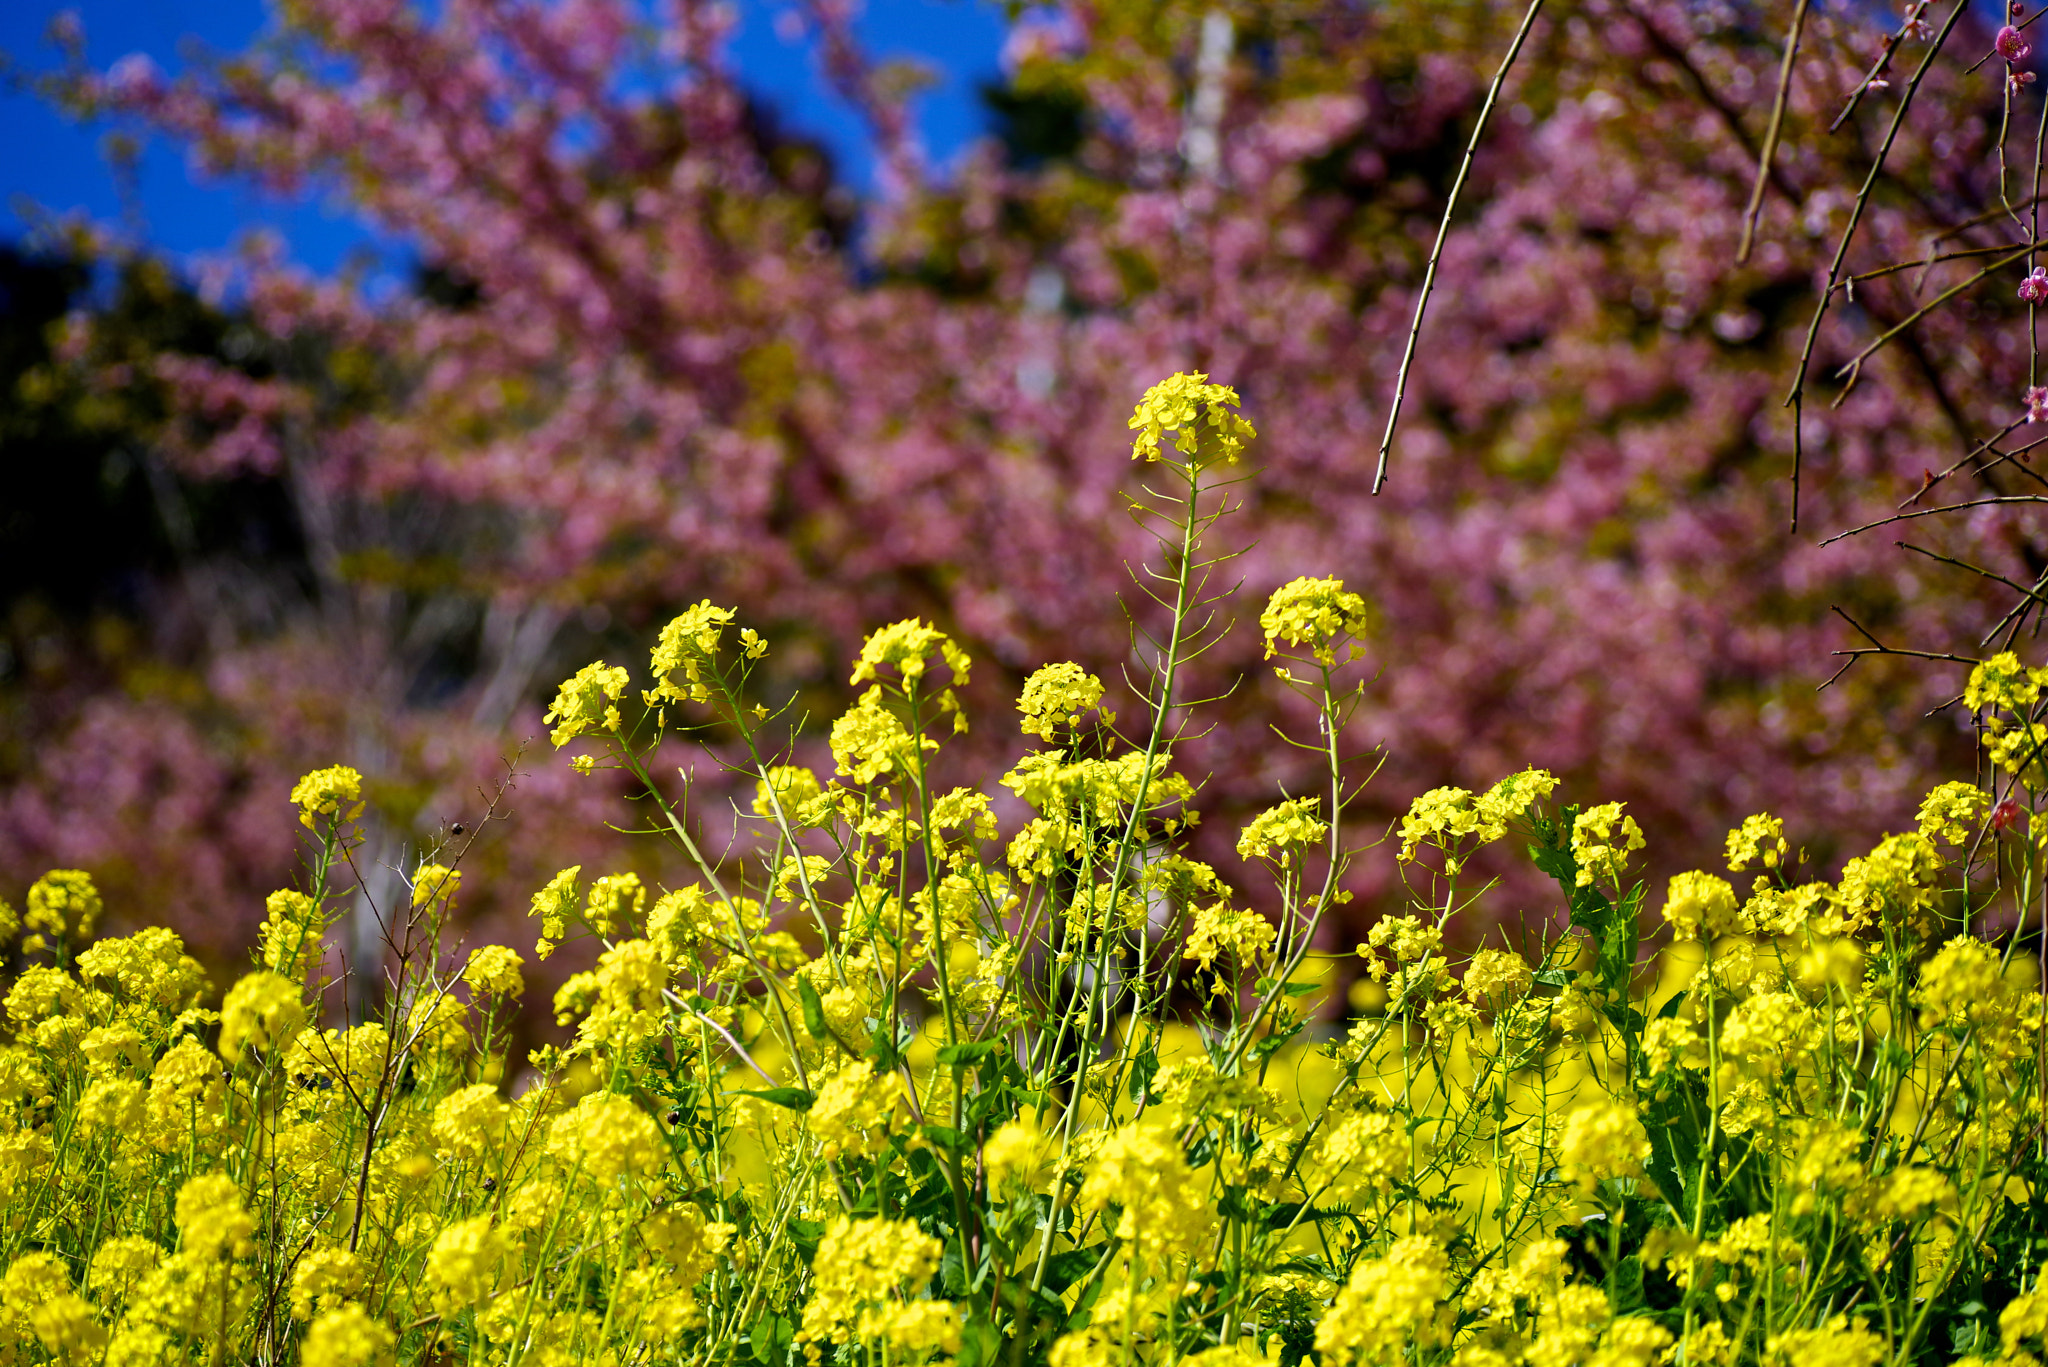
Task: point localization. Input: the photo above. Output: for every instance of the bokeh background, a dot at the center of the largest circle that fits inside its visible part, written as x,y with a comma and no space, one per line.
366,368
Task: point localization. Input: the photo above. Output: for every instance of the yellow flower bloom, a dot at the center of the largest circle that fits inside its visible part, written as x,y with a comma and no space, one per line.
324,1278
907,645
64,902
264,1010
555,904
1221,929
796,789
1056,695
852,1111
1953,813
866,1271
347,1336
335,792
38,1286
682,658
212,1222
615,903
1197,413
290,933
435,883
1497,978
1759,837
608,1138
587,702
1836,1343
1316,613
1602,840
1603,1137
1388,1305
2003,682
869,740
470,1122
1699,905
463,1265
1291,826
493,970
1142,1172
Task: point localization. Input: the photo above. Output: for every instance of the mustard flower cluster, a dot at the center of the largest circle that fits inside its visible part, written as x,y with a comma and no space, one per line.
928,1077
335,792
1447,818
1057,695
588,702
1316,613
1198,414
63,902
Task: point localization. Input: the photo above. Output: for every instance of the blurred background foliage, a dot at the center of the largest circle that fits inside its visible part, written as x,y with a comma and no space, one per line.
261,518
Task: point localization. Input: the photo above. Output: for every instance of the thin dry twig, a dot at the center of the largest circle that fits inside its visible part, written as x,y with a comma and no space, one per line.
1379,477
1795,400
1852,369
1936,512
1763,165
1879,67
1847,284
1877,647
1987,444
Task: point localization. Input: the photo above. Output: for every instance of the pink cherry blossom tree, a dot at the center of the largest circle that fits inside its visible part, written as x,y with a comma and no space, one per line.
679,363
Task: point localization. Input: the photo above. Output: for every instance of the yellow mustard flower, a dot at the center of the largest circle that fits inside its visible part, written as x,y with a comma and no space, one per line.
1197,413
588,701
335,792
1759,837
64,902
1057,695
1316,613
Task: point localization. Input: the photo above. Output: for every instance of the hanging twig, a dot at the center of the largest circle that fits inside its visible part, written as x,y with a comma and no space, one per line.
1763,165
1796,399
1379,477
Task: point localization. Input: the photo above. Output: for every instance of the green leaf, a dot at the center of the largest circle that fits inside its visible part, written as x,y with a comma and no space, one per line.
981,1344
1144,1067
1625,1288
957,1055
814,1010
1063,1269
795,1098
771,1339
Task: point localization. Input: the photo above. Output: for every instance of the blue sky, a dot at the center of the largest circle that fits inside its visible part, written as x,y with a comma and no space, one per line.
49,162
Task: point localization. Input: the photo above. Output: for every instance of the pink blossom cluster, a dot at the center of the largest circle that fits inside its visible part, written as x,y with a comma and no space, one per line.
679,377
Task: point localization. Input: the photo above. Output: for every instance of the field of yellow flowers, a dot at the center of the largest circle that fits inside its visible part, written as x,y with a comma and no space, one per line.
900,1091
